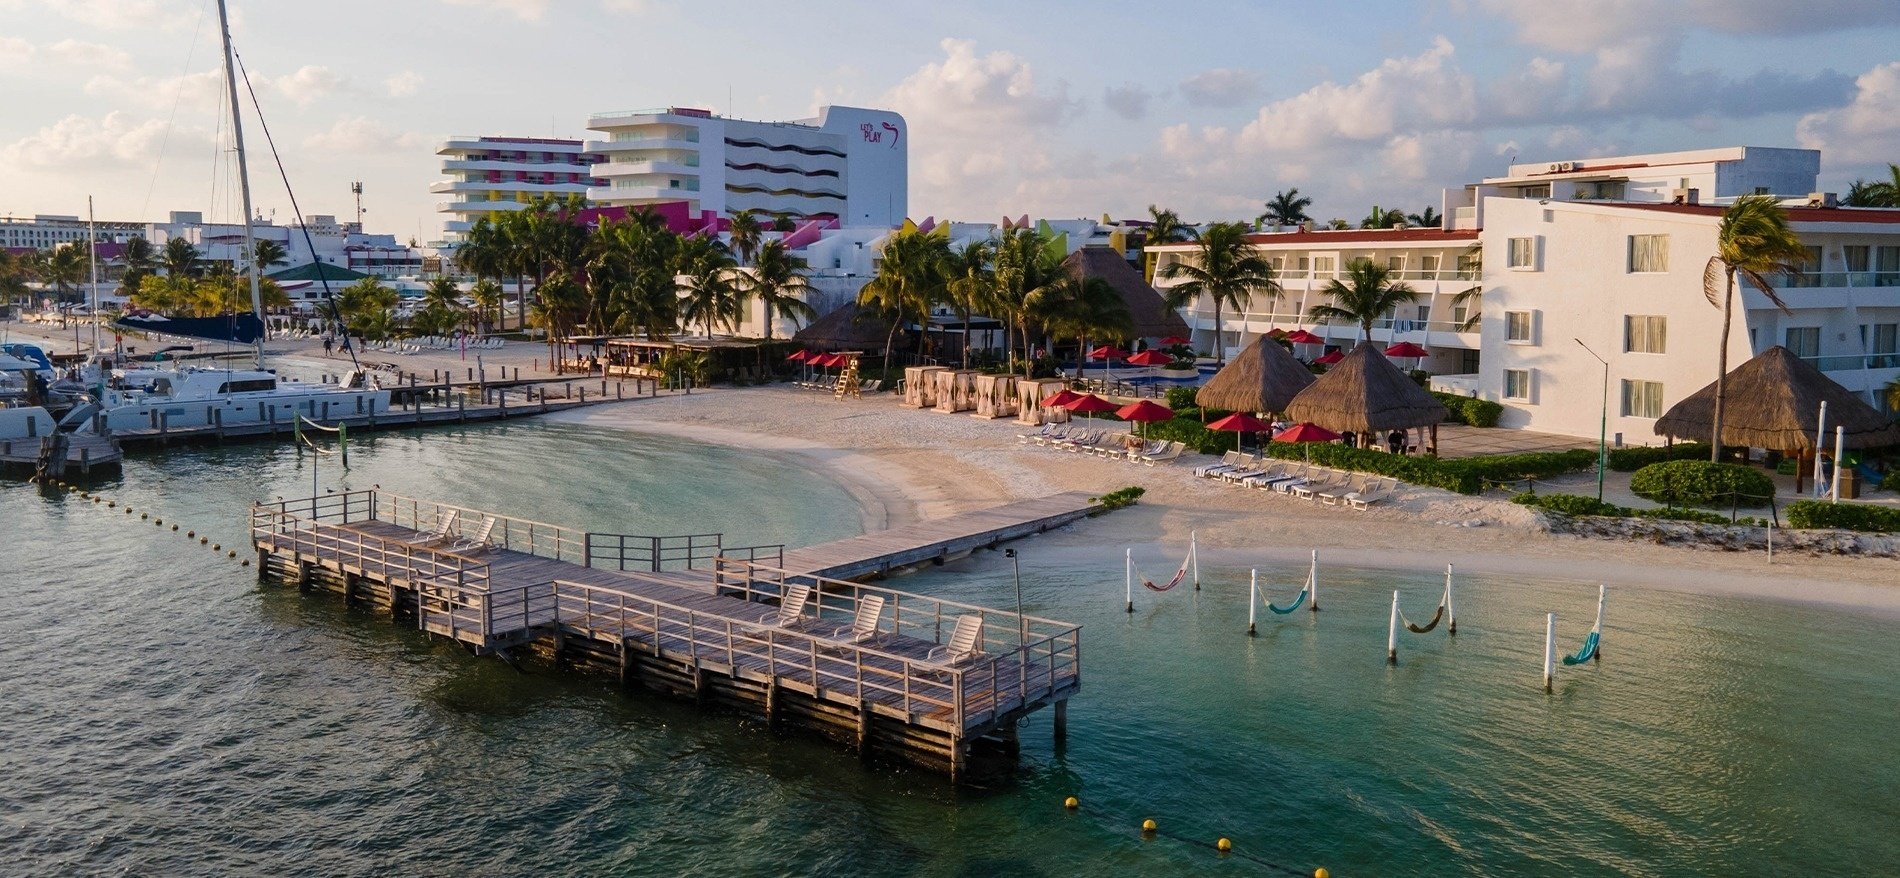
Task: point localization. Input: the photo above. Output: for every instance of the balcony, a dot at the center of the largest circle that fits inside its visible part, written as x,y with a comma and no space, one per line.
645,166
568,167
614,195
617,146
476,206
1855,362
1835,280
442,186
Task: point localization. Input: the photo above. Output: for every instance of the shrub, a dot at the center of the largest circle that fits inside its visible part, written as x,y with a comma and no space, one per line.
1845,516
1181,397
1570,504
1625,460
1470,409
1702,483
1466,476
1121,499
1892,480
1700,516
1189,431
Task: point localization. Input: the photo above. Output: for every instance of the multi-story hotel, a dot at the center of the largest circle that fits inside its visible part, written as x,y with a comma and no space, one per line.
44,231
486,175
847,163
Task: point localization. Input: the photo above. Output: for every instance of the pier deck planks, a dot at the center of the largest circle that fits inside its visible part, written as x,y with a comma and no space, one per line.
879,553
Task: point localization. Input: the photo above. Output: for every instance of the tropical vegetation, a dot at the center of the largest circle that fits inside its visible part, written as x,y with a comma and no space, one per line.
1876,193
1752,240
1366,296
1164,227
1286,208
1227,269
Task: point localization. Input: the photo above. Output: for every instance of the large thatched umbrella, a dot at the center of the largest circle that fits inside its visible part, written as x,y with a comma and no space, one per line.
1774,401
846,327
1147,312
1264,378
1367,395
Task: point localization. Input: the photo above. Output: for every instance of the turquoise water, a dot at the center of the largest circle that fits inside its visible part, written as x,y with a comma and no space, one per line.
166,715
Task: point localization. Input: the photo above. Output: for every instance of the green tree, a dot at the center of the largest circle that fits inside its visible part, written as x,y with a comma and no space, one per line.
180,258
64,267
14,273
1876,193
711,293
1367,294
367,309
559,305
1382,219
778,280
909,278
1427,218
746,232
140,258
1164,227
630,277
1082,308
1471,268
484,253
1026,266
1286,209
969,283
270,254
1227,269
488,297
1753,240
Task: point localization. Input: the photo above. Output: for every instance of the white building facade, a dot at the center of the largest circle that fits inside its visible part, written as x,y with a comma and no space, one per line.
1702,175
45,231
488,175
848,163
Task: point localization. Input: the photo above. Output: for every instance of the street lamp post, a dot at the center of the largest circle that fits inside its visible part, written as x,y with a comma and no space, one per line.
1022,626
1603,424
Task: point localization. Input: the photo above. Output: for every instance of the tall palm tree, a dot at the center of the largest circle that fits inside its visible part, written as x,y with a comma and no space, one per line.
1026,265
268,254
1364,297
1286,209
14,272
1164,227
1426,218
1876,193
630,278
139,257
1891,391
778,280
1082,308
487,295
1227,269
64,267
1752,240
1382,219
909,278
969,282
442,309
366,309
180,258
711,291
559,305
746,231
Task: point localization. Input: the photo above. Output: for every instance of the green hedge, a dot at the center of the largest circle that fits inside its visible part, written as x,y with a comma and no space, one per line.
1469,475
1702,483
1181,397
1189,431
1892,480
1845,516
1625,460
1572,504
1469,409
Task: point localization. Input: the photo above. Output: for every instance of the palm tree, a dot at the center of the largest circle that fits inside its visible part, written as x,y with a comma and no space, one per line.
180,258
484,253
1891,391
1426,218
746,231
442,310
1752,240
1382,219
1227,269
1165,227
1876,193
1367,294
968,283
712,294
630,278
1471,268
269,253
909,278
64,267
139,258
559,305
487,295
14,271
1286,209
1338,224
366,309
778,280
1082,308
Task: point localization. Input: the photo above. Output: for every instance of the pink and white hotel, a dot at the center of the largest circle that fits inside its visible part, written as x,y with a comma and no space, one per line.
488,175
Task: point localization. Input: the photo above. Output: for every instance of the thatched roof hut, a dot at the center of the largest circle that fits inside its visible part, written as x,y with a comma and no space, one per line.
1152,318
1264,378
1365,393
845,328
1774,401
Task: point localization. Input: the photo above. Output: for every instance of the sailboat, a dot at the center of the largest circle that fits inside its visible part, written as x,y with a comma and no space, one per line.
181,397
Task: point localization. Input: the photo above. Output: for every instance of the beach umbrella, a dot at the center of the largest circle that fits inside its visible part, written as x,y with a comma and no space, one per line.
1330,359
1171,341
1150,357
1143,411
1059,399
1105,353
1303,433
1089,404
1301,336
1410,350
799,356
1238,423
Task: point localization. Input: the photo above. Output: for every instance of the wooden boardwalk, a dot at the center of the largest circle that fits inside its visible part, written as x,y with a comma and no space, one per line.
878,554
731,625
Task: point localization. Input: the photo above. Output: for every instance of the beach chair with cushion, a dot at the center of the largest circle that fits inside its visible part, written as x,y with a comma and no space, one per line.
1254,466
863,625
481,541
1327,479
1167,452
1353,483
1304,475
1272,475
1228,461
966,641
444,531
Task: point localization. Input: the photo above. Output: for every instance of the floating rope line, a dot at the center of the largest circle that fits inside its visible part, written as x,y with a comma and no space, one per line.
1106,820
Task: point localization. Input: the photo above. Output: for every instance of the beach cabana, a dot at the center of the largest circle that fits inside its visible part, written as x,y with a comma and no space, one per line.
1030,393
1774,402
845,328
1263,378
920,386
1368,396
1148,314
995,396
956,390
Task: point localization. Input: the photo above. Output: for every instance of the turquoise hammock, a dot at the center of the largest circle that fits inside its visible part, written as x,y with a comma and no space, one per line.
1298,601
1585,653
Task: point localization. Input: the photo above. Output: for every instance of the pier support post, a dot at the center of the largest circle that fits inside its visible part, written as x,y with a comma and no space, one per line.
626,664
864,729
1392,633
263,558
771,704
699,684
1013,739
1062,721
303,575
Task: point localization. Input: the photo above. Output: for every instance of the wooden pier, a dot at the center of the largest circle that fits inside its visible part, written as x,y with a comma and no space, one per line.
938,540
729,626
62,454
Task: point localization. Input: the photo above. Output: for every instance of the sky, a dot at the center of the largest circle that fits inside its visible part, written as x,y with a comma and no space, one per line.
1053,109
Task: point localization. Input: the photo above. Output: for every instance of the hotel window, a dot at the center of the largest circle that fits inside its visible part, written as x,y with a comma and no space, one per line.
1428,266
1886,344
1856,256
1523,253
1642,399
1649,253
1519,328
1887,261
1322,266
1645,333
1395,264
1517,384
1813,262
1804,341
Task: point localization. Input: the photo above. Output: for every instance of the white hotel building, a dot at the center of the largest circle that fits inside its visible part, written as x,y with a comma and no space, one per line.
487,175
1605,257
847,163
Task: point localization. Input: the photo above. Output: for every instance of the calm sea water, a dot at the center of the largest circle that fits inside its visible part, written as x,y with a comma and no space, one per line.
166,715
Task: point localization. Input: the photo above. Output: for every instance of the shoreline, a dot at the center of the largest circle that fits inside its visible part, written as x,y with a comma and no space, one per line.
905,465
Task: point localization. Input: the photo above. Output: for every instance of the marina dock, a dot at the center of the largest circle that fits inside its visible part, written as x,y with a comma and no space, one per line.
61,454
734,626
938,540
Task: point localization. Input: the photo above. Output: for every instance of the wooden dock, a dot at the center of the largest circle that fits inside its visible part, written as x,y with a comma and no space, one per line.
495,405
690,616
938,540
62,454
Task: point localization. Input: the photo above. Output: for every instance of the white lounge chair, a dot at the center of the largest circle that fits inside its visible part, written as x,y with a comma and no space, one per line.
444,531
1376,491
1169,451
1353,483
966,641
863,625
791,607
481,541
1228,461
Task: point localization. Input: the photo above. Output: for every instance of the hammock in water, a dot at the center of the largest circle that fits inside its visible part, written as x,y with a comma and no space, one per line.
1421,629
1586,652
1298,601
1179,575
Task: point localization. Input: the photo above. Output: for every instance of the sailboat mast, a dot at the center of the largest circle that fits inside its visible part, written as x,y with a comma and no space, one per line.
244,174
92,259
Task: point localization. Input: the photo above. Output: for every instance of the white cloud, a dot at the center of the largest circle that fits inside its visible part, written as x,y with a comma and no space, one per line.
108,14
194,92
15,51
94,55
1128,100
1223,87
1593,25
78,142
360,134
308,84
1401,94
1866,130
526,10
403,84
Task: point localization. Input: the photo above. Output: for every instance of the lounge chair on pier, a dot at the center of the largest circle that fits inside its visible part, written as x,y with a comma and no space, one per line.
444,531
966,642
791,607
481,541
863,626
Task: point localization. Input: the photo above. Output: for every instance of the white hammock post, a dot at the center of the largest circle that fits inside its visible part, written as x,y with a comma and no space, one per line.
1840,441
1312,583
1128,576
1550,647
1253,598
1392,633
1451,613
1771,542
1820,437
1194,553
1597,654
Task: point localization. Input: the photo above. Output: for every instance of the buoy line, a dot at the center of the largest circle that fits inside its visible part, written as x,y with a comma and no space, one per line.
109,503
1150,829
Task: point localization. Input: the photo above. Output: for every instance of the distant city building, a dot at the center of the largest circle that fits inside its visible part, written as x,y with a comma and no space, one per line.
43,231
342,245
847,164
488,175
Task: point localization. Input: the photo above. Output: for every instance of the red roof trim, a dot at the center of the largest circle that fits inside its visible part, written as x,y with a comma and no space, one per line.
1795,214
1363,236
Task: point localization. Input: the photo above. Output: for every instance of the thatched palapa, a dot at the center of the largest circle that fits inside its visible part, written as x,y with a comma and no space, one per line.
1774,401
1264,378
1364,393
845,328
1150,316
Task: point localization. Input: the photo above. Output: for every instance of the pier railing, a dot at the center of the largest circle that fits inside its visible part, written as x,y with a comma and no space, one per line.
514,534
659,553
284,525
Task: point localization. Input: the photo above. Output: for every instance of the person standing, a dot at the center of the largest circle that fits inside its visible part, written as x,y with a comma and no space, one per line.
328,343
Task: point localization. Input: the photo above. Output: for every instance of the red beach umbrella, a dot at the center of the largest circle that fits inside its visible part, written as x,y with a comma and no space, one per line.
1150,357
1108,352
1144,411
1330,359
1089,404
1301,336
1172,340
1304,432
799,356
1238,423
1407,349
1059,399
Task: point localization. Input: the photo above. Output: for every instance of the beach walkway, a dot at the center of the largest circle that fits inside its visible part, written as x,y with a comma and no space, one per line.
688,615
939,539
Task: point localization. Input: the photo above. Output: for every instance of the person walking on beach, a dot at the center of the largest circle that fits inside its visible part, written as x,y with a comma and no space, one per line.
328,343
